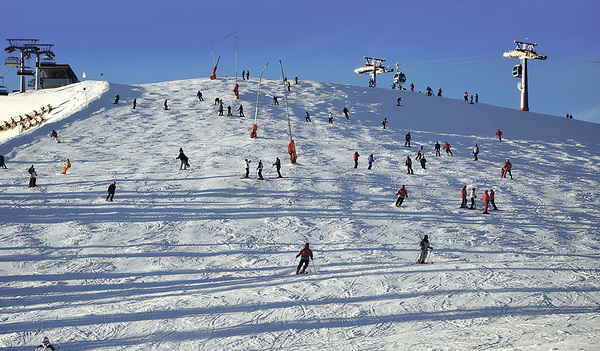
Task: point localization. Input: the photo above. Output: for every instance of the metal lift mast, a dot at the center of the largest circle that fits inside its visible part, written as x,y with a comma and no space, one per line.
524,51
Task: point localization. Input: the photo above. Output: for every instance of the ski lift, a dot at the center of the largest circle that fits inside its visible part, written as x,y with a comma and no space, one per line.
399,77
517,71
3,89
12,61
25,71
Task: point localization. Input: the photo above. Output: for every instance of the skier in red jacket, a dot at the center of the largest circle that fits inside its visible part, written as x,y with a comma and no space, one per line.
486,202
447,148
507,168
463,195
402,193
499,134
304,255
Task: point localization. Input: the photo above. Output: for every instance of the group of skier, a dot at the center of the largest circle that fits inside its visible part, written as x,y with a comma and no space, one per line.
259,168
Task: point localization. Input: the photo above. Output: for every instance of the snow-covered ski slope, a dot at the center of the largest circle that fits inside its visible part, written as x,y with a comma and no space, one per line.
203,260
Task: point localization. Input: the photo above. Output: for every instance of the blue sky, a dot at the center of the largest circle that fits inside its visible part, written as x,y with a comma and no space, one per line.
151,41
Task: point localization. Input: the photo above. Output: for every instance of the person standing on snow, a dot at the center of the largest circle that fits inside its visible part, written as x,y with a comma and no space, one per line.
67,166
355,157
243,74
345,110
248,75
259,169
111,191
32,177
165,104
116,99
275,100
45,346
499,134
229,111
2,165
305,254
473,196
423,161
277,165
330,117
241,111
384,122
466,95
402,193
370,160
407,139
398,101
440,92
437,148
419,153
54,135
475,152
296,80
134,103
199,95
412,87
492,196
307,117
447,148
463,195
486,202
408,164
247,168
184,160
424,245
507,168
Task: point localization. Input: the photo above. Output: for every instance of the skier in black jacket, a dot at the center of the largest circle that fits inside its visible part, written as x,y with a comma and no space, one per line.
424,246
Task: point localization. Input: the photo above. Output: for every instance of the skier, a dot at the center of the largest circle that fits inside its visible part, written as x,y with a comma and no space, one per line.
296,80
419,153
424,245
466,95
423,161
229,111
440,92
330,117
247,168
243,74
67,166
475,152
116,99
384,122
248,75
275,100
221,108
166,106
241,111
184,160
402,193
32,177
199,95
54,135
473,196
499,134
2,165
486,202
217,101
111,191
471,100
355,157
492,196
288,86
463,195
412,87
507,168
447,148
408,164
345,110
307,117
305,254
134,103
45,346
407,139
260,168
437,148
502,173
277,165
399,101
476,98
370,160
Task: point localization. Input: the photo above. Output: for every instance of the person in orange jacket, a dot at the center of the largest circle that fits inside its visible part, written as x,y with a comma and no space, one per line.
67,166
486,202
355,157
507,168
402,193
463,195
305,254
447,148
499,134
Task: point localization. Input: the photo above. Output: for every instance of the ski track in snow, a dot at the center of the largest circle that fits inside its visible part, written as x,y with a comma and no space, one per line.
201,259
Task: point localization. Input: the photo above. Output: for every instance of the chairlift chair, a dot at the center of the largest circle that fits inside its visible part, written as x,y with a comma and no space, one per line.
12,61
25,71
517,71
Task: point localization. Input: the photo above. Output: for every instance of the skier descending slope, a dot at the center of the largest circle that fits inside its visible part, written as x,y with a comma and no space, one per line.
402,193
305,254
45,346
424,246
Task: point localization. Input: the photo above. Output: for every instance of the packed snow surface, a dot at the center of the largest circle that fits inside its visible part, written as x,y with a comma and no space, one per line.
204,260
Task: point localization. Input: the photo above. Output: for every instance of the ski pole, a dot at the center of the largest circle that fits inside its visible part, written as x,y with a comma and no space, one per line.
430,252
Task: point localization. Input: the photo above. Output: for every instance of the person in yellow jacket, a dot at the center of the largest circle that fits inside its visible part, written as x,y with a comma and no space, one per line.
67,166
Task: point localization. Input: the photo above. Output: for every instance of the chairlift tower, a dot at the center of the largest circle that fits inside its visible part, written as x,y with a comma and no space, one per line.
524,51
26,48
373,66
